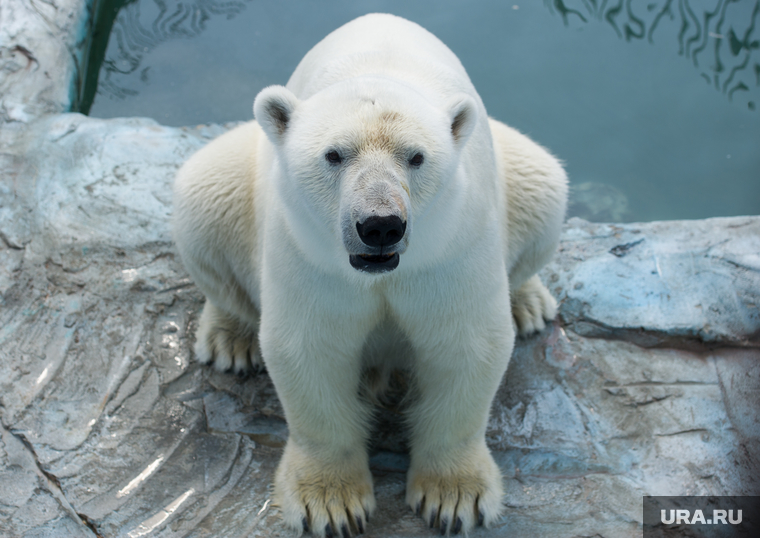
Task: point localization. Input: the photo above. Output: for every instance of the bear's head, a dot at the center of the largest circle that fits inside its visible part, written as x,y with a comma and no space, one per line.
364,165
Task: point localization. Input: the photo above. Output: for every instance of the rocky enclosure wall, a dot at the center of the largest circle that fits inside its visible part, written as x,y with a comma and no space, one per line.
648,382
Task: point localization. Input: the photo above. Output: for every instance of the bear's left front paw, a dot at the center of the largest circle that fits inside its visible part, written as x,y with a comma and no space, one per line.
532,307
456,500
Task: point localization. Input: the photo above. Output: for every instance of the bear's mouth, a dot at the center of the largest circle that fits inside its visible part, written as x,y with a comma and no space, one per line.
369,263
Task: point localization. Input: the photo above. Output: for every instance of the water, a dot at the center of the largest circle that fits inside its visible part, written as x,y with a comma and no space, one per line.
650,104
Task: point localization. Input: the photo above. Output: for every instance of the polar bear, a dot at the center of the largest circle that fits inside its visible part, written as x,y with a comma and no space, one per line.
373,218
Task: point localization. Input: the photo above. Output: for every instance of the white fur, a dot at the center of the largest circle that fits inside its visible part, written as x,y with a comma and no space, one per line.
265,225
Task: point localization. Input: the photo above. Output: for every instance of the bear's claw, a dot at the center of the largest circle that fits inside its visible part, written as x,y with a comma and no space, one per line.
329,498
532,307
359,525
456,501
230,344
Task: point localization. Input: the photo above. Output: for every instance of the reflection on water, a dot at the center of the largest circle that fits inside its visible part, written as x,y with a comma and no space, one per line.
176,19
720,33
598,202
651,104
137,28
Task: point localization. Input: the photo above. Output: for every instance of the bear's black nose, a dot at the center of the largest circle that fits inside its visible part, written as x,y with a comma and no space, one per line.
381,231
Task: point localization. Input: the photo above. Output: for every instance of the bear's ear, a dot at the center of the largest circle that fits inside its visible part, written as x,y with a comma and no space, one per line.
463,114
273,109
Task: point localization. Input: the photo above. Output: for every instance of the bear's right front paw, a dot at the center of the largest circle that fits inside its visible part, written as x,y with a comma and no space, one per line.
227,342
332,500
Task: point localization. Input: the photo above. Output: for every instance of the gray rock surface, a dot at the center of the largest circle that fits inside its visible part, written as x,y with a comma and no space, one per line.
648,382
42,46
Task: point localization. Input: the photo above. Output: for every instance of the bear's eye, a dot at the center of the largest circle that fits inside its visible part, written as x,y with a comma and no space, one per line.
333,157
416,161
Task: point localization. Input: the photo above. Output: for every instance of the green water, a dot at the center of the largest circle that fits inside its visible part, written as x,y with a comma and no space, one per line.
650,104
